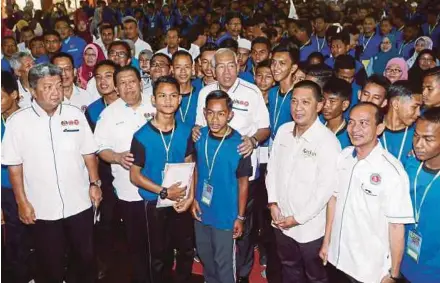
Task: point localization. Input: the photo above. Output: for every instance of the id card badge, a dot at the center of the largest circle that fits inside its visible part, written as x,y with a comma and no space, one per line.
207,192
152,25
414,245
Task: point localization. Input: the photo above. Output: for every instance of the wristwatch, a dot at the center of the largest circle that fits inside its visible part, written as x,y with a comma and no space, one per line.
163,193
241,218
256,143
96,183
394,278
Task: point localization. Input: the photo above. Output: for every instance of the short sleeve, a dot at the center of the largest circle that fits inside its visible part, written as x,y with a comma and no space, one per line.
11,154
244,168
138,151
396,200
103,131
89,120
190,147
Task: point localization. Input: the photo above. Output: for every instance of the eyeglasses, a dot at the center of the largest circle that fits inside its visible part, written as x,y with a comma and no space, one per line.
119,54
159,65
426,60
397,71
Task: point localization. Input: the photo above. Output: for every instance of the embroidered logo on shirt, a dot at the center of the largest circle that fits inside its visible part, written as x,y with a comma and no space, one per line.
70,123
148,116
375,179
309,153
241,102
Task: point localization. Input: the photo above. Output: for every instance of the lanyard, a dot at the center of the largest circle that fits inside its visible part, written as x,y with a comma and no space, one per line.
167,147
301,48
417,211
187,107
3,120
403,47
339,128
276,115
320,47
368,41
215,153
430,30
402,143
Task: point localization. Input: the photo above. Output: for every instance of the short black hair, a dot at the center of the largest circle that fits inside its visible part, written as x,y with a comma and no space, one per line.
105,26
344,62
165,80
9,83
62,55
431,115
105,63
52,32
120,43
378,115
293,52
217,95
381,81
209,46
305,25
174,29
9,37
27,28
339,88
231,15
63,19
161,55
229,43
316,89
342,36
37,38
371,16
263,64
320,16
400,89
435,72
262,40
321,72
181,53
125,69
317,55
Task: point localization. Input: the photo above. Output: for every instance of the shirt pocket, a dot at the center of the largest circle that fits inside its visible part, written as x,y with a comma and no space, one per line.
370,190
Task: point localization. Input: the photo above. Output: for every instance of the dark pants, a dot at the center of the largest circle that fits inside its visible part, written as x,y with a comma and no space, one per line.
215,248
337,276
133,214
51,239
245,244
16,242
169,230
300,262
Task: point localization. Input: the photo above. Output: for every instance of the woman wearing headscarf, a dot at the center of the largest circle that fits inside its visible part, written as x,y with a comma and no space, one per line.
83,26
396,70
425,61
91,56
387,51
422,43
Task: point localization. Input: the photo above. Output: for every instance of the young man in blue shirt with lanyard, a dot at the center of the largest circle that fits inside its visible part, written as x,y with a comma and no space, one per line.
283,66
15,250
221,190
421,260
403,110
164,140
410,34
432,27
369,40
182,70
307,44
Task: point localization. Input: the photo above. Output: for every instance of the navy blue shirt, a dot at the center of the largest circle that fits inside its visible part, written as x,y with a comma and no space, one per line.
279,113
307,49
152,20
370,46
6,66
74,46
395,141
6,182
323,47
149,152
343,137
188,107
247,76
406,49
428,267
228,167
433,33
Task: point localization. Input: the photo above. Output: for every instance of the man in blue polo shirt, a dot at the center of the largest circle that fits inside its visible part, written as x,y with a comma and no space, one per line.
15,249
233,27
432,27
307,44
421,260
164,140
369,40
410,34
221,190
72,44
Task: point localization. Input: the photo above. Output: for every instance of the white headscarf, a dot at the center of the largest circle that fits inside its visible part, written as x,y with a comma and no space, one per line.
428,45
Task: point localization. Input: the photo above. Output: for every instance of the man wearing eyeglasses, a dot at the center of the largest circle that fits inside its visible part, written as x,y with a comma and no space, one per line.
72,44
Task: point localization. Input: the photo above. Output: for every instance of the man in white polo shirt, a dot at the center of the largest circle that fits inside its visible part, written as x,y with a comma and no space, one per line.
113,133
172,39
50,150
251,120
370,206
300,181
131,31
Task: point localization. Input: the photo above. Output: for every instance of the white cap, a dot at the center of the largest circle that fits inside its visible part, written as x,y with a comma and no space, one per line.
244,43
414,4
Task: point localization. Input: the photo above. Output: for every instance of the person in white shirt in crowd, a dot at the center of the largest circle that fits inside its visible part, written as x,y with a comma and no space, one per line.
145,67
21,63
107,36
251,120
300,181
172,39
50,151
364,239
131,32
114,132
160,66
72,94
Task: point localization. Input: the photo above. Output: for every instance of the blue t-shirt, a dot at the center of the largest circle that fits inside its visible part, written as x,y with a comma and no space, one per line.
74,46
93,111
42,59
434,34
149,152
247,76
6,182
188,108
406,49
279,113
6,66
428,267
393,142
228,167
323,47
307,49
370,46
343,137
152,21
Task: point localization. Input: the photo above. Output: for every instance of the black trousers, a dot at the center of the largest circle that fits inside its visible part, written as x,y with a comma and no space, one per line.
337,276
168,230
300,262
53,238
133,215
16,250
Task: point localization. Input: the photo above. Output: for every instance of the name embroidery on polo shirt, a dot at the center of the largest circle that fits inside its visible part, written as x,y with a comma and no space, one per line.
70,125
308,153
240,104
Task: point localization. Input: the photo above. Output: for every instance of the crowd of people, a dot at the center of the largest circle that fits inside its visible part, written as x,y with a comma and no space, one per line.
313,127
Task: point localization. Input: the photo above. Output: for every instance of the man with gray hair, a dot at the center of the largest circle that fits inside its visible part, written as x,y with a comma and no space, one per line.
21,63
251,120
57,201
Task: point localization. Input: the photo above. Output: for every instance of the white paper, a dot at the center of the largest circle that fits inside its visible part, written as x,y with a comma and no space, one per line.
174,173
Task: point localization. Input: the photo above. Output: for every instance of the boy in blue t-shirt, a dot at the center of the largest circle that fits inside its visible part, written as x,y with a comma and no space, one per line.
337,93
421,259
160,141
221,190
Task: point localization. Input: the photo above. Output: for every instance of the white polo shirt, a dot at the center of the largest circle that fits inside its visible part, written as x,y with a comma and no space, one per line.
141,45
25,96
114,130
371,193
51,149
301,177
250,111
80,98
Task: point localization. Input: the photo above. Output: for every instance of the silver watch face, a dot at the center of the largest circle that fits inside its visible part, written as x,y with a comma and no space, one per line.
97,183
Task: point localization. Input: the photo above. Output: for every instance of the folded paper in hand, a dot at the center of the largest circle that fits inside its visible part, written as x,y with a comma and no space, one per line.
174,173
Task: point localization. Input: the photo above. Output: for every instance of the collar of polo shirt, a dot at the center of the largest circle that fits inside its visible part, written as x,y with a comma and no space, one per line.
311,133
374,157
234,87
40,111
